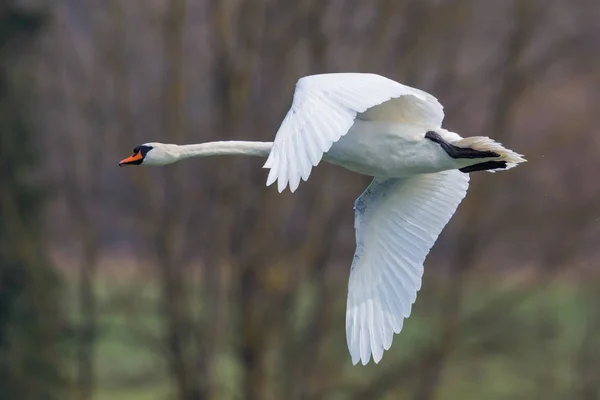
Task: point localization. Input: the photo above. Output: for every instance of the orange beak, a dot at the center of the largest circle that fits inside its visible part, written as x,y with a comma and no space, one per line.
131,159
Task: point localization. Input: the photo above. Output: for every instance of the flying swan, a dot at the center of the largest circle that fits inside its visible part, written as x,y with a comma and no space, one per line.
374,126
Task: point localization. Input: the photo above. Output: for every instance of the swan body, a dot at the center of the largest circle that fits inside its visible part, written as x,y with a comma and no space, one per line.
374,126
398,150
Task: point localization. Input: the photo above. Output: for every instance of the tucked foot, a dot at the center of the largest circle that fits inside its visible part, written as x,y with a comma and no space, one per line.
484,166
457,151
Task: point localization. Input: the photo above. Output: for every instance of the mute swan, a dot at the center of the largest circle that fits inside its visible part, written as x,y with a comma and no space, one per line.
371,125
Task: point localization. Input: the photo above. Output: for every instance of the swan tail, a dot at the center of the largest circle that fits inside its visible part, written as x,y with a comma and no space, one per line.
503,158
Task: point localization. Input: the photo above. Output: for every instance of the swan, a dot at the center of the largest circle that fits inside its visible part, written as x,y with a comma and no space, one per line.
373,126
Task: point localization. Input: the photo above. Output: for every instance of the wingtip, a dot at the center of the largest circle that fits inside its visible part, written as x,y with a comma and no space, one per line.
377,357
280,186
270,161
293,185
272,177
365,359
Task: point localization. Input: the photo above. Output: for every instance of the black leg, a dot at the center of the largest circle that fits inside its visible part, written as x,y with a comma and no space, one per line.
458,152
484,166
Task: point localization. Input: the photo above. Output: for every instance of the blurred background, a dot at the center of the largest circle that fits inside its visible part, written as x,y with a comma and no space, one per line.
195,281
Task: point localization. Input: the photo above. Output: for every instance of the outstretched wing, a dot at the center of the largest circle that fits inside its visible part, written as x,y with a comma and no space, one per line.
323,110
397,222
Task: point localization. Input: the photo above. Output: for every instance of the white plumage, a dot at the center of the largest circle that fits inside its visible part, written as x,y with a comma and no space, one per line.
397,221
323,110
374,126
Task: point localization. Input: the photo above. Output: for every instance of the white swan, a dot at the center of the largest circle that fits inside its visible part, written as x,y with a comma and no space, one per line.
374,126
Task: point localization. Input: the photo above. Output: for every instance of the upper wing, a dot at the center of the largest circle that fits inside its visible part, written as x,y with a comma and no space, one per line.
397,222
323,110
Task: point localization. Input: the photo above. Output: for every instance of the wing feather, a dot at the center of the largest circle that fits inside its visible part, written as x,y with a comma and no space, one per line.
397,222
324,108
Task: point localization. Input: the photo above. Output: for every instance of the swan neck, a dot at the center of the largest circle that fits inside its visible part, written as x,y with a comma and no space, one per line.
226,148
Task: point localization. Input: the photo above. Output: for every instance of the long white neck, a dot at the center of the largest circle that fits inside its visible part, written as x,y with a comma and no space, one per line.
228,148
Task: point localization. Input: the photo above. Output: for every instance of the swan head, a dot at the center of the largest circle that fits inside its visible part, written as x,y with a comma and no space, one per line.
152,154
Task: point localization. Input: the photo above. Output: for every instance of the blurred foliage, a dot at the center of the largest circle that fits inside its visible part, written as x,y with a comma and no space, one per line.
195,281
507,364
30,360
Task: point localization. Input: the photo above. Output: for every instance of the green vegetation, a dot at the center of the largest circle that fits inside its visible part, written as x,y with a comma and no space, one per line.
224,265
30,360
506,356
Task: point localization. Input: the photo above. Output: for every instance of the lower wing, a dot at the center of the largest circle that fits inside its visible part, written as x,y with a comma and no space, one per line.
397,221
